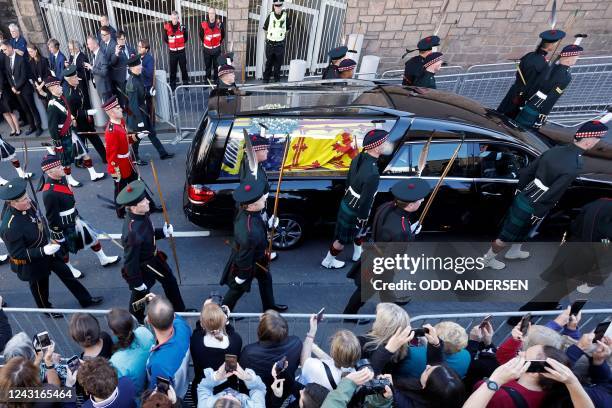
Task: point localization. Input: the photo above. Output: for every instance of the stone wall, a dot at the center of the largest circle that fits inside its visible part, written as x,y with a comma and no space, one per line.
27,14
475,31
237,18
7,16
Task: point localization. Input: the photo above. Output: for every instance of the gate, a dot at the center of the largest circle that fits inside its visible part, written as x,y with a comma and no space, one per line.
76,19
316,27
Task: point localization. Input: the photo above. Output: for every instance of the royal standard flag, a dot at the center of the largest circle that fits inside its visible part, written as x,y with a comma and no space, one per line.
312,152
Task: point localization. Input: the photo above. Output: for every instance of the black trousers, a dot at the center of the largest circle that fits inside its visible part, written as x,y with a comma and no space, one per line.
162,274
40,287
266,292
28,106
178,58
275,54
118,89
212,66
154,140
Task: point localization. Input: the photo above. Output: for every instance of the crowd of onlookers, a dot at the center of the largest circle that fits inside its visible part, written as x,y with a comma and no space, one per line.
101,62
393,364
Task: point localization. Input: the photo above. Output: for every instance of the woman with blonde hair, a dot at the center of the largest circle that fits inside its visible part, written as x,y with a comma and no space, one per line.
212,338
391,323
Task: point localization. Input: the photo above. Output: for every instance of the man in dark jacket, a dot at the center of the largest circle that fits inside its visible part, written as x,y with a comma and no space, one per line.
530,67
138,118
143,262
540,187
16,69
414,66
118,67
552,84
362,183
394,222
32,255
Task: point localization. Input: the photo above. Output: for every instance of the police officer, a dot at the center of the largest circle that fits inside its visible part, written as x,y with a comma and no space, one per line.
431,65
143,262
212,34
32,255
362,183
540,187
138,119
394,221
529,69
336,55
346,69
249,258
67,228
276,26
414,66
84,122
175,35
550,88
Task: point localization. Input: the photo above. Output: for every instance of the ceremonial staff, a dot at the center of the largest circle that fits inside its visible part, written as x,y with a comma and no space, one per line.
25,170
278,186
441,180
167,219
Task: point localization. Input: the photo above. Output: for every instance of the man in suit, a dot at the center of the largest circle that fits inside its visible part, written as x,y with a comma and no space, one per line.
118,64
98,69
56,58
108,44
78,59
148,75
17,74
105,23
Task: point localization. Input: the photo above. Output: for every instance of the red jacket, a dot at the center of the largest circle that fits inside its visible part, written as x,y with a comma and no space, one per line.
501,398
212,36
176,38
118,150
508,350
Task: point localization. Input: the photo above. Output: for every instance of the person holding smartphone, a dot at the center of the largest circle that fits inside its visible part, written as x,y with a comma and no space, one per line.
257,389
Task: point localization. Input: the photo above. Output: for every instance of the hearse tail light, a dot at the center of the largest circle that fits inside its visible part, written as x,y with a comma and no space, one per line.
198,194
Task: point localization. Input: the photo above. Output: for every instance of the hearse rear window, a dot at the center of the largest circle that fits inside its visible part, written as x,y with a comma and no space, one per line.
315,145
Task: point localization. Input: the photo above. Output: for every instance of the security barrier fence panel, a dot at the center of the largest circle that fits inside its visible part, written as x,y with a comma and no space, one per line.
316,27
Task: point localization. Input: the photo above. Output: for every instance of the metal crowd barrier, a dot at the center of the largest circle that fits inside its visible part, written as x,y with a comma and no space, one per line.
32,321
190,102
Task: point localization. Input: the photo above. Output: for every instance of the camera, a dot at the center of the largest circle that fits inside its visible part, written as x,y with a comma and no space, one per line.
375,385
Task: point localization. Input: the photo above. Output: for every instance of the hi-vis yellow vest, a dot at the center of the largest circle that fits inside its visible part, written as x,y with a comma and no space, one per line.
277,28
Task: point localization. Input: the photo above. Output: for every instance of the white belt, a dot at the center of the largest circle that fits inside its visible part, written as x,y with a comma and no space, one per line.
539,184
541,95
123,156
353,192
67,212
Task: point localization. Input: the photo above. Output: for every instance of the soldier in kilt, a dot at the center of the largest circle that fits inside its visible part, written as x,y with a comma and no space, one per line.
7,153
540,187
67,228
362,183
394,221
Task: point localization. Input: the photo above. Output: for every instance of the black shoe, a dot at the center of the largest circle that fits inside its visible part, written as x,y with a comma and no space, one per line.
95,300
166,156
39,132
280,308
18,133
141,162
12,134
4,304
54,315
29,132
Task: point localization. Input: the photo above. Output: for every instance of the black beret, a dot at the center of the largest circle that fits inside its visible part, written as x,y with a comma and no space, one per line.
134,61
410,190
338,52
374,138
552,35
249,191
428,43
70,71
132,194
14,189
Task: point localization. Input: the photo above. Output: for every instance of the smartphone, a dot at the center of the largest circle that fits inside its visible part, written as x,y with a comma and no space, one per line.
280,365
231,363
216,298
420,332
600,330
320,315
525,320
73,363
45,341
139,304
577,306
537,366
486,320
163,385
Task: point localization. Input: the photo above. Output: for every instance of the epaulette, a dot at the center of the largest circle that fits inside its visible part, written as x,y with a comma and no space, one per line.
111,126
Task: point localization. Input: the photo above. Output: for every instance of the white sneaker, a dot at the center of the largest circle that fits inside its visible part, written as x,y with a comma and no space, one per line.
109,260
357,250
489,261
330,262
515,252
585,288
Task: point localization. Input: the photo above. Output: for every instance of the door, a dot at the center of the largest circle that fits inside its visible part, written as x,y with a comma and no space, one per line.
496,173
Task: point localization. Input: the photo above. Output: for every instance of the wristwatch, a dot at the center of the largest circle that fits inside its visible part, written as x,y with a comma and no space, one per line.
492,385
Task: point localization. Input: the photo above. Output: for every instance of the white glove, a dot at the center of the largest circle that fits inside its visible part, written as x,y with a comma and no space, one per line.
140,125
141,288
91,112
50,249
273,221
239,281
416,228
142,135
168,229
152,91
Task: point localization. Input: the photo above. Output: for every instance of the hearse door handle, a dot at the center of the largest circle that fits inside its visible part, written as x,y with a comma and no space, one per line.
486,193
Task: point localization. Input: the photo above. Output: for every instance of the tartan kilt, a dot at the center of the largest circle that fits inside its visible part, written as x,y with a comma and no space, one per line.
7,151
67,154
527,116
517,223
346,224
